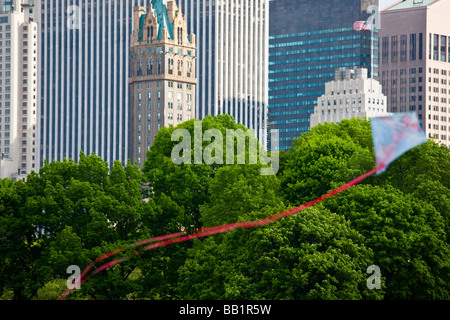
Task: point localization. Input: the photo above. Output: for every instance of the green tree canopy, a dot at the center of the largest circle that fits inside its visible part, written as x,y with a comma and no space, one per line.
312,255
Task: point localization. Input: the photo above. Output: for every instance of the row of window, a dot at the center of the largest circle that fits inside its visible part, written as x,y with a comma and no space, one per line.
309,68
353,101
169,116
353,110
313,50
170,95
409,46
318,58
293,78
310,33
314,41
159,50
179,106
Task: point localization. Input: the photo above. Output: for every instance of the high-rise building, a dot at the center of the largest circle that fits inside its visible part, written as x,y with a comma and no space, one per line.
308,40
84,72
415,62
162,74
350,95
232,59
19,147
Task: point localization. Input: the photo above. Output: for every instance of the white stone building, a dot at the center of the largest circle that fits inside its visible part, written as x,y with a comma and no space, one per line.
18,89
351,94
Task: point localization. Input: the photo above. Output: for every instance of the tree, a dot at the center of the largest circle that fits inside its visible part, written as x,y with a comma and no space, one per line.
240,192
65,215
406,235
321,160
312,255
425,173
188,184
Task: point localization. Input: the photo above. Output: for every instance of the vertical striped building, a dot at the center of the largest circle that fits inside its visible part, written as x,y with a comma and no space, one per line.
84,50
232,59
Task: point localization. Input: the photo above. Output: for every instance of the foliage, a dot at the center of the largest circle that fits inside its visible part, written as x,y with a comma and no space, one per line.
407,237
312,255
71,213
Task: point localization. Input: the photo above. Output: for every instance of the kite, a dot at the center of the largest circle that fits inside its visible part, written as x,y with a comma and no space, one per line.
392,136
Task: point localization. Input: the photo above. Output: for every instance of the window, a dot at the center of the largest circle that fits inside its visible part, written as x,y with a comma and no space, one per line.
443,48
412,47
435,47
420,46
394,48
385,49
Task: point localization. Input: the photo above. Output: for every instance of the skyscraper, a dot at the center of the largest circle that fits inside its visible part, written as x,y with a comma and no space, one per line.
232,59
308,41
162,74
415,62
84,71
18,89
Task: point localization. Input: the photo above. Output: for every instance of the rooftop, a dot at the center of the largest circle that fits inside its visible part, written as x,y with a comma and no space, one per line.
406,4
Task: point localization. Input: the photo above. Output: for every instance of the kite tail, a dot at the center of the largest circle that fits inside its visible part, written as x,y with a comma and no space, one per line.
165,240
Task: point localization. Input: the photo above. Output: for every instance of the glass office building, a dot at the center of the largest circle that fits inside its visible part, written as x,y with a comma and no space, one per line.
308,40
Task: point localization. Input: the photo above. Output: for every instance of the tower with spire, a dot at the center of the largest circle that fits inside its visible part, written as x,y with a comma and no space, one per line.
162,75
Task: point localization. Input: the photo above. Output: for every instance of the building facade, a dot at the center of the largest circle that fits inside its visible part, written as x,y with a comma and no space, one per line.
415,62
308,41
19,147
84,68
162,74
352,94
232,59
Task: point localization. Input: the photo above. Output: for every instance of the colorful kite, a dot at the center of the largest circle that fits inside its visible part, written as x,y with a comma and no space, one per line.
392,136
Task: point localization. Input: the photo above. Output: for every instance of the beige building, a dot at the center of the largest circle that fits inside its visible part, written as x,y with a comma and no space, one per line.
18,89
351,94
415,62
162,74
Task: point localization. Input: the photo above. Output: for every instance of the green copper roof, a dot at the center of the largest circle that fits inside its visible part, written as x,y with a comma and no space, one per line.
406,4
162,17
